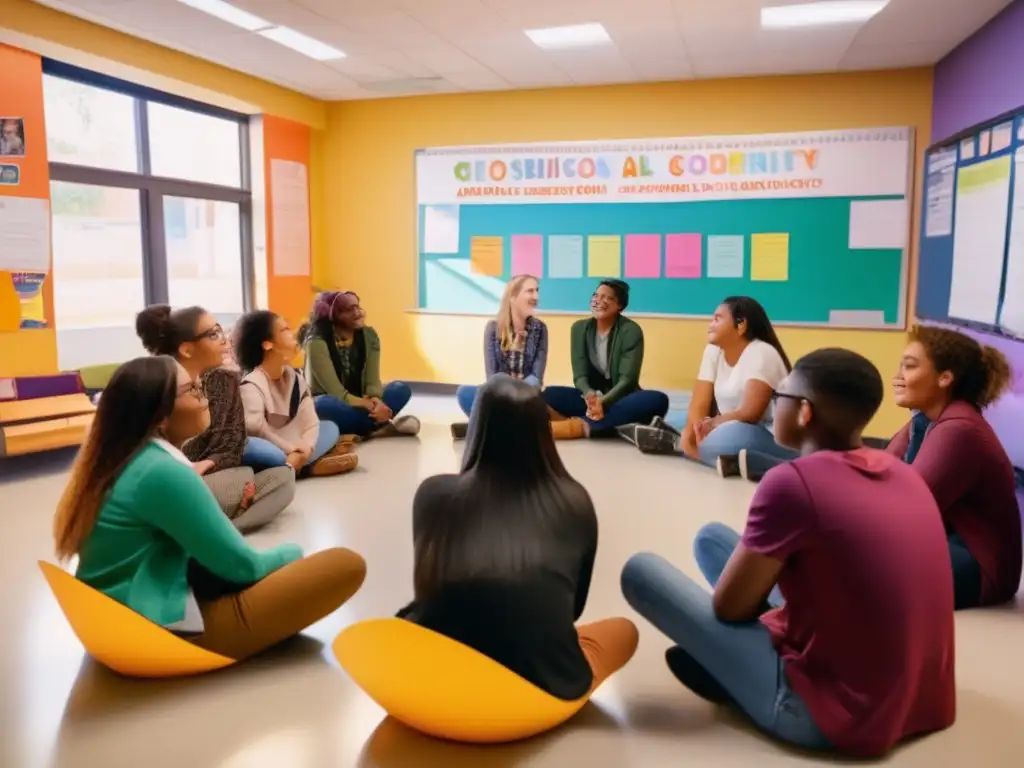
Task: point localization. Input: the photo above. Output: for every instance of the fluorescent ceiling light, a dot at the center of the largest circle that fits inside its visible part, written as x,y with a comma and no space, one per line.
821,13
230,14
574,36
304,44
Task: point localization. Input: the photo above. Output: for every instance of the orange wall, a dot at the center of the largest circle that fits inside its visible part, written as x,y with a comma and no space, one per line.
25,352
289,296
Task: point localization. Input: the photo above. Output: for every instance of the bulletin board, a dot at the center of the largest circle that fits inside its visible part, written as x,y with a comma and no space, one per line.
972,229
814,225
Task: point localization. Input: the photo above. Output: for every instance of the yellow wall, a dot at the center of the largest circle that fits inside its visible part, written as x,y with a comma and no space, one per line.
369,196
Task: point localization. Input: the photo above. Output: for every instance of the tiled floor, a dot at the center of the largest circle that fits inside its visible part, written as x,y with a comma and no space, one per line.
294,708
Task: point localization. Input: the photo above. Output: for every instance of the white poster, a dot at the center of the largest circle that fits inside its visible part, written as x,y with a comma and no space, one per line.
1012,317
853,163
24,234
983,196
289,195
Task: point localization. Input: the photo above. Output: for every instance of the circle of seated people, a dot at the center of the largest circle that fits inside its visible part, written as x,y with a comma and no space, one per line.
489,650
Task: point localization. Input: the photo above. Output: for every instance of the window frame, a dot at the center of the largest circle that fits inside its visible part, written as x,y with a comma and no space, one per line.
153,189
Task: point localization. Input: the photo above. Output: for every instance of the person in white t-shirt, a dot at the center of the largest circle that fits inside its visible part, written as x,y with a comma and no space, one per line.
730,412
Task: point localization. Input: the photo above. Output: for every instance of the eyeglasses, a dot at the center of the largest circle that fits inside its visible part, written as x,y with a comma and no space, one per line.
214,334
776,396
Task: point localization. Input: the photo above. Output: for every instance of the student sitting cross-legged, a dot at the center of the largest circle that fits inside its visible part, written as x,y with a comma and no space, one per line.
343,369
148,532
607,355
282,423
947,378
831,620
194,338
515,343
504,551
730,413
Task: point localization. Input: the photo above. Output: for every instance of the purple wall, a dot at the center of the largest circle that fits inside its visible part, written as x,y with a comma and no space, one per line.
979,80
982,77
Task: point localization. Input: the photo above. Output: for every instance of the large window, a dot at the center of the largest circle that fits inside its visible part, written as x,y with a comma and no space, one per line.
151,204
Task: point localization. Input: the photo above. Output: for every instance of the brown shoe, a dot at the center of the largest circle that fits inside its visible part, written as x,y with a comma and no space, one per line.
334,465
344,445
569,429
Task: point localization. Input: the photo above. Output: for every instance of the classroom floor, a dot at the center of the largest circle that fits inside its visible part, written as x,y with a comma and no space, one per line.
294,707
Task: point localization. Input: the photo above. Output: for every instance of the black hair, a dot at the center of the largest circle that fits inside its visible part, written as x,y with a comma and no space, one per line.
621,290
140,395
844,380
163,330
251,331
515,499
758,325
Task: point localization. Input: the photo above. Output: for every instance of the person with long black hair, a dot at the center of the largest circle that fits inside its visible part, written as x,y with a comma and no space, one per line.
504,551
149,533
730,411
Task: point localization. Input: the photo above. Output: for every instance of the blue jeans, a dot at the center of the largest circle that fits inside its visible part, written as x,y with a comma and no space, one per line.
966,574
263,454
739,657
465,395
733,436
637,407
357,421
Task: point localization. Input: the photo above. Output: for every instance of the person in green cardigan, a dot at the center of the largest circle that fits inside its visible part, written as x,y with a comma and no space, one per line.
607,355
343,371
149,533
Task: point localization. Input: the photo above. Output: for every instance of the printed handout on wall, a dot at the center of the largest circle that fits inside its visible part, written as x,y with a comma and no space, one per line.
440,229
940,181
24,234
12,137
289,194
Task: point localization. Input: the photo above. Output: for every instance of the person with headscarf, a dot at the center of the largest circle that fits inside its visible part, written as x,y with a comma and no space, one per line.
343,371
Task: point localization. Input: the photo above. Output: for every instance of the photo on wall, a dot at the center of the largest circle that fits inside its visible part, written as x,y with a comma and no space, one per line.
12,137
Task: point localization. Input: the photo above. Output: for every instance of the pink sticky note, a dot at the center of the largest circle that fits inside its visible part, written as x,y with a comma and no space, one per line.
683,255
643,255
528,255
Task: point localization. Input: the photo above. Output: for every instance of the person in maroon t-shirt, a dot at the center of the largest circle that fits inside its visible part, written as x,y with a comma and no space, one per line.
831,623
947,379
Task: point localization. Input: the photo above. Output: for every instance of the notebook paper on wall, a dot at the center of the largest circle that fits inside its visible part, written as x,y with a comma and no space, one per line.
1012,317
983,195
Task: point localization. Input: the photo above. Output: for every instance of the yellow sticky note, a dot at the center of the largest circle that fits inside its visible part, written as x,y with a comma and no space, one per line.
769,257
486,256
604,256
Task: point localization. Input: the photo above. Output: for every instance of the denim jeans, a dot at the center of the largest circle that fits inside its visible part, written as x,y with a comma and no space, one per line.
262,454
733,436
637,407
357,421
739,657
966,574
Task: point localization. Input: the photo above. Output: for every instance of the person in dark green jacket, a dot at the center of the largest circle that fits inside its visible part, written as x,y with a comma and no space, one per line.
607,355
343,371
149,533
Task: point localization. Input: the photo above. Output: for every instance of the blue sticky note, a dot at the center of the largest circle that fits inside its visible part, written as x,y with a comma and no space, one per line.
565,256
725,255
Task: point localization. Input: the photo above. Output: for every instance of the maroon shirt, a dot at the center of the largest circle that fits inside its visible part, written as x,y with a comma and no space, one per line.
866,633
972,480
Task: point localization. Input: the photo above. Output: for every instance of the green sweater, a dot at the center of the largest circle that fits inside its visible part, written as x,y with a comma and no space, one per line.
159,514
625,358
324,379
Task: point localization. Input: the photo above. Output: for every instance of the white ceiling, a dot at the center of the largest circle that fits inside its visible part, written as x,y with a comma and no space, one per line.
404,47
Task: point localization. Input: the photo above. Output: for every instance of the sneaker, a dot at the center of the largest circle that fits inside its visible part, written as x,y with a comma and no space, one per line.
459,430
628,432
659,423
655,440
741,460
407,426
728,466
334,465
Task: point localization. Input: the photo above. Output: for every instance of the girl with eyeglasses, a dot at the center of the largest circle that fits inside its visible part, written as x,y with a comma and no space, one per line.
194,338
148,533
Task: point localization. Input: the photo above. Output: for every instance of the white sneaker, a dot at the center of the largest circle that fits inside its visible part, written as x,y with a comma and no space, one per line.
407,425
